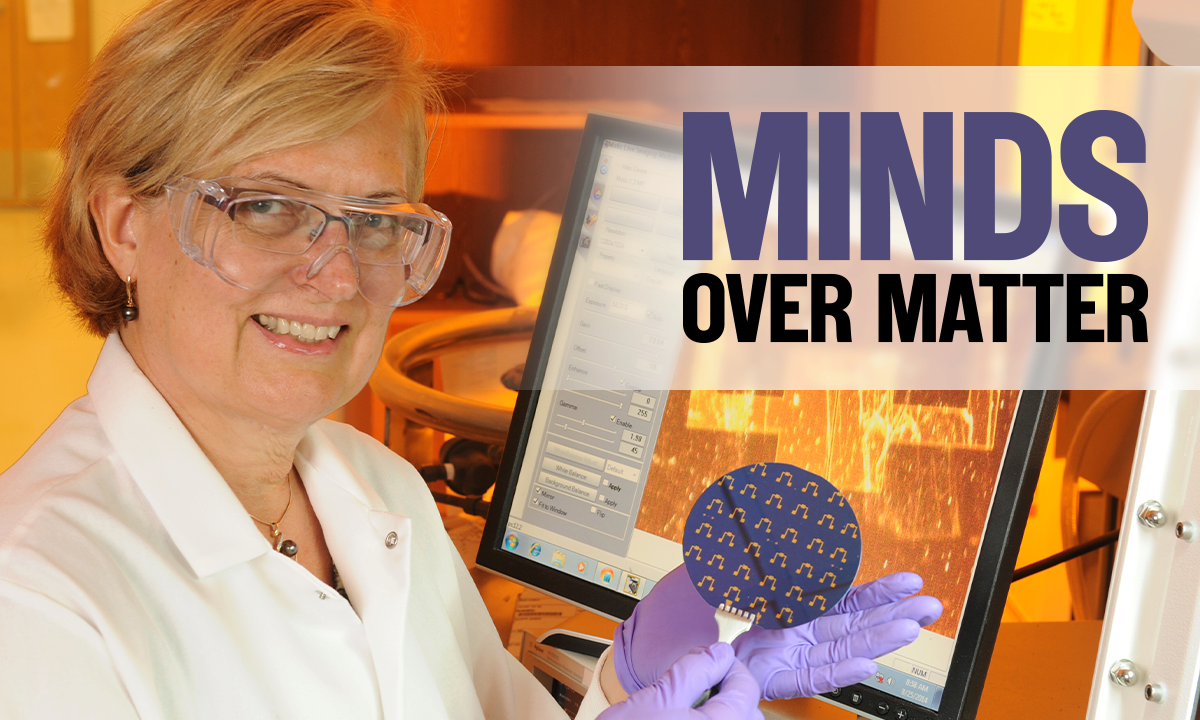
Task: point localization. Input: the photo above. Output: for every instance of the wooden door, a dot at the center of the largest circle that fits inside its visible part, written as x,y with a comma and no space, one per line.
44,53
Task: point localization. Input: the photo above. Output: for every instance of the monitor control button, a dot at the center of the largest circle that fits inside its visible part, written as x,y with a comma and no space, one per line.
836,692
901,714
881,708
856,698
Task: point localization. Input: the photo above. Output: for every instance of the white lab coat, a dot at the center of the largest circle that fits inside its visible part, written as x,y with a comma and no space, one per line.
134,585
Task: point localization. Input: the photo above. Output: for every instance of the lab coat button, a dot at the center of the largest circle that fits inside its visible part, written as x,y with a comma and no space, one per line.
391,540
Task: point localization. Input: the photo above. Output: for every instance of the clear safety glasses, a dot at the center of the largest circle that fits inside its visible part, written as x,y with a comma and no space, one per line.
268,238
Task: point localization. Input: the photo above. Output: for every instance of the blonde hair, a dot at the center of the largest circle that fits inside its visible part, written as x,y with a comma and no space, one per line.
194,87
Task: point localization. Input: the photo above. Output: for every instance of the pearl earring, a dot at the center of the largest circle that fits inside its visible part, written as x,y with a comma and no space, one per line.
129,313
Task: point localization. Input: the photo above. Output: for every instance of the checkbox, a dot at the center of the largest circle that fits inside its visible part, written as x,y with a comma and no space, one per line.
593,509
601,498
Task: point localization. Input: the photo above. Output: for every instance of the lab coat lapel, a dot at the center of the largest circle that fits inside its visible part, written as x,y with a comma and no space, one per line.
198,510
372,550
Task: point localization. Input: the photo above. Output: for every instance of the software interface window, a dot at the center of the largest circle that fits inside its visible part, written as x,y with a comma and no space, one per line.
583,474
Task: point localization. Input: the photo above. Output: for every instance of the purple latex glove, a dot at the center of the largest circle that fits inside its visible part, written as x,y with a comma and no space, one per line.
832,651
672,695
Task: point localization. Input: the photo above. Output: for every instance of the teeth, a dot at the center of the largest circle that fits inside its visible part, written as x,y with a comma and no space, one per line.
305,332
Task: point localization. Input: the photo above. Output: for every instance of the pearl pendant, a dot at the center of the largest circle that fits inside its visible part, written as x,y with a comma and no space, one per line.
129,313
288,548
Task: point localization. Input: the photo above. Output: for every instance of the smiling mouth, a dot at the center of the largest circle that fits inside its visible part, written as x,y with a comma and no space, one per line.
305,332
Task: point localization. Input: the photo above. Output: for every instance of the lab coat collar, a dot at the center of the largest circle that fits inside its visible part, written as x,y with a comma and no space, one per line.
327,463
194,503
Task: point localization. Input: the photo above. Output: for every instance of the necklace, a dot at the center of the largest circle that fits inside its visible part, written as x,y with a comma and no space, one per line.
282,545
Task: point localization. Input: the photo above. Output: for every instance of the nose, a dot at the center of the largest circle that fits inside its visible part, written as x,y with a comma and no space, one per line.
334,272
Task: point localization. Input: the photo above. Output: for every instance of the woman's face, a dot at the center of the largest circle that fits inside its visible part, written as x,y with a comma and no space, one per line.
200,340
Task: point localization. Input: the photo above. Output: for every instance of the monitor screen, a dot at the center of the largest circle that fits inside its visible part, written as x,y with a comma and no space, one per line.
603,464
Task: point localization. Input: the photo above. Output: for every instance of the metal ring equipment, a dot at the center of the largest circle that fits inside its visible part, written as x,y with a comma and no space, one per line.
460,416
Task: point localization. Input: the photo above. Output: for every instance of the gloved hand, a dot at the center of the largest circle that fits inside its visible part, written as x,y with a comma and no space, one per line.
838,648
672,695
832,651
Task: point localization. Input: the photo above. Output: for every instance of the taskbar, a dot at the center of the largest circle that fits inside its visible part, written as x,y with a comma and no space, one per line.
576,565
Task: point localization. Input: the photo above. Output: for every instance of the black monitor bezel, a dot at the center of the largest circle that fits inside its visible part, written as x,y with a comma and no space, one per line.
998,548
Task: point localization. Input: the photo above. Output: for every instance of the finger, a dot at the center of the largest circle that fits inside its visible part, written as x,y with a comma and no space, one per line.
869,643
922,609
691,675
814,681
737,699
886,589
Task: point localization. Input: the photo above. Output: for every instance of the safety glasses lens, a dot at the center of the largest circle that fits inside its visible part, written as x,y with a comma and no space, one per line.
276,224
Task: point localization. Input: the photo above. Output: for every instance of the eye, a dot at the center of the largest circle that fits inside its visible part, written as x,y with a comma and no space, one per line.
264,209
265,206
379,222
272,217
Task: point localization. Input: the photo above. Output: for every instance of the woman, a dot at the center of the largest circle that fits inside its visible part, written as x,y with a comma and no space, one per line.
236,214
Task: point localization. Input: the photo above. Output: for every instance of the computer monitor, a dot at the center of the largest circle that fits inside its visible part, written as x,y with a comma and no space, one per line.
604,460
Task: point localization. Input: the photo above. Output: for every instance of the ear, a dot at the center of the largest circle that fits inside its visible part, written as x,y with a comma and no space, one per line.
115,212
